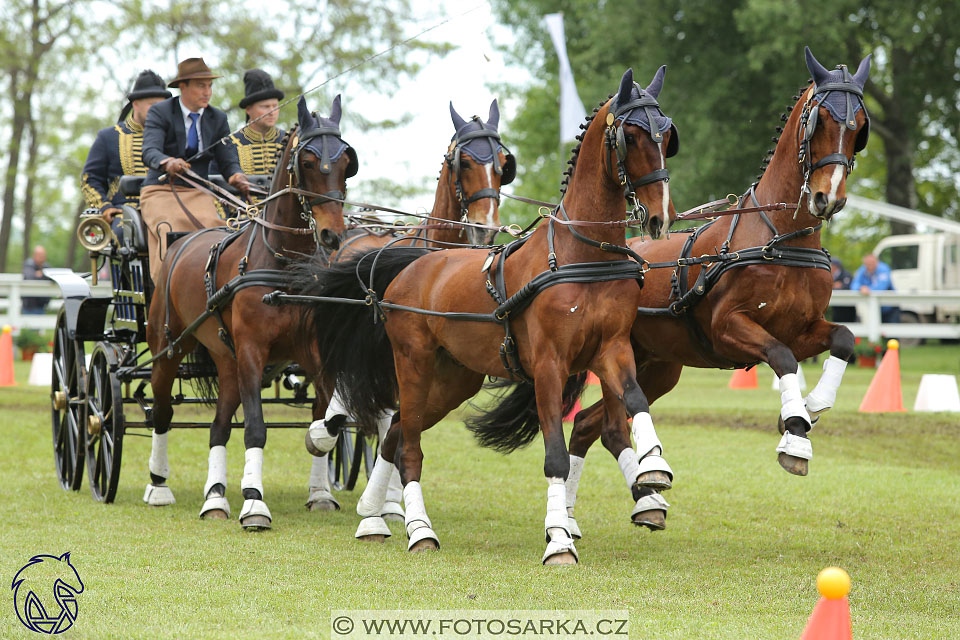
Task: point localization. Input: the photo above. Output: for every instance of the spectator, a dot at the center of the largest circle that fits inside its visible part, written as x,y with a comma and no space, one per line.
874,275
33,270
841,280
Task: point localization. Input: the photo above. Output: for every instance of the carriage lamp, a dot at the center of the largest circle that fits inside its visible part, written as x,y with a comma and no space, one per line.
94,232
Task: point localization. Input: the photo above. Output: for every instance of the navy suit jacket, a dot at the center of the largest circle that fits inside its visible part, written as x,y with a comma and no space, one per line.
164,136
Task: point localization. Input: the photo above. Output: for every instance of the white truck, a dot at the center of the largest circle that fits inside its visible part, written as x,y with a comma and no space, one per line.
924,262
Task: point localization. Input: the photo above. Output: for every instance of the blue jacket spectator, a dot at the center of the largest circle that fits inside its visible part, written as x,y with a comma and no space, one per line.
874,275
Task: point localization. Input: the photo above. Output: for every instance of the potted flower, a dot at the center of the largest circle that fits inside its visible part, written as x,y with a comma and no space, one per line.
30,342
867,353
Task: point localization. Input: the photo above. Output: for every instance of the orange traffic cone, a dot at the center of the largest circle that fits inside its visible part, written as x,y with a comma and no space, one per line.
6,357
592,378
830,619
883,394
744,379
573,412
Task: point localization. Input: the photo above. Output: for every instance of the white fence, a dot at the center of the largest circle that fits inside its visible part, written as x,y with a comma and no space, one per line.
13,287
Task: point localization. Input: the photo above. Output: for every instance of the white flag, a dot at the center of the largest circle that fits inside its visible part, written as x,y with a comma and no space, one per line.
572,113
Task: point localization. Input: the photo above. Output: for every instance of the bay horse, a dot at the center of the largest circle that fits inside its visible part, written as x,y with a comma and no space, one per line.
466,207
302,216
572,317
776,282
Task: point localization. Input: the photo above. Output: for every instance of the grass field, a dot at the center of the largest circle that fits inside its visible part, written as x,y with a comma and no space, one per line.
743,544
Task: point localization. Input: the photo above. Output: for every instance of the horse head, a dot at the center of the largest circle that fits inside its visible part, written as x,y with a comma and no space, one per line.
321,162
833,125
477,165
639,139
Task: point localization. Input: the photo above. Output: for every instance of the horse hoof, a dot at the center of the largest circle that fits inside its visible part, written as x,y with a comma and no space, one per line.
311,448
393,517
427,544
656,480
655,519
376,537
796,466
255,523
564,559
215,514
323,505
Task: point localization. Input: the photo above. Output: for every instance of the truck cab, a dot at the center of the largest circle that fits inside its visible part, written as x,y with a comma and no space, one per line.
923,262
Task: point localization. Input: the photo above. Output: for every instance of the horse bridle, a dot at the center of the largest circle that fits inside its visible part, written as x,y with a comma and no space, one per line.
304,142
615,139
809,116
507,172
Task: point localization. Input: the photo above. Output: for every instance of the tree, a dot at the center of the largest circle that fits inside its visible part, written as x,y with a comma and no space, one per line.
732,67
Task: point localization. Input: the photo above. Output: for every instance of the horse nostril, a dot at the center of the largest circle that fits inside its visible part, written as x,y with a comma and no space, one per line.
655,224
329,239
820,200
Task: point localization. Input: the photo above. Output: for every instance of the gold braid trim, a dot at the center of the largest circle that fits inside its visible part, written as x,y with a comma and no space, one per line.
90,195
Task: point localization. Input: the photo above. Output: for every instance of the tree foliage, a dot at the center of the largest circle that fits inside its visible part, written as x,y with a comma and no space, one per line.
733,66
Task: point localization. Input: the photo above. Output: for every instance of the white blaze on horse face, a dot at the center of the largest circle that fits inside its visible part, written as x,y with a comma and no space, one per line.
491,212
666,192
838,171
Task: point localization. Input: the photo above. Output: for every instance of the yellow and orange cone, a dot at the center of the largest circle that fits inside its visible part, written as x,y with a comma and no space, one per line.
884,394
830,619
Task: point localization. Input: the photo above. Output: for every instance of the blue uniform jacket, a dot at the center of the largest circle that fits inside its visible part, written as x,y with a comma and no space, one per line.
116,152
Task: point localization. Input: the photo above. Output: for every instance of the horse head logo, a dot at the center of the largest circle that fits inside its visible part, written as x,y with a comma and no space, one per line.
32,587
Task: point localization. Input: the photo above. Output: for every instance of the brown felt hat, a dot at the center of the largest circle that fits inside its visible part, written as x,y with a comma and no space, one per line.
192,69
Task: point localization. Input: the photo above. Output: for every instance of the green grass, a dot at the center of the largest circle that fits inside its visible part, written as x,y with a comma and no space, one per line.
743,544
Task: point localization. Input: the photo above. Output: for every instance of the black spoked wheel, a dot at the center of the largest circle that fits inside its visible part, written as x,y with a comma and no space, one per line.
67,388
354,451
103,421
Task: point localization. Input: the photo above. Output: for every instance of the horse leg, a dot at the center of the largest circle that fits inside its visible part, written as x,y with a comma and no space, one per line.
556,464
215,505
391,510
162,375
320,497
323,433
746,338
371,505
840,341
251,358
655,381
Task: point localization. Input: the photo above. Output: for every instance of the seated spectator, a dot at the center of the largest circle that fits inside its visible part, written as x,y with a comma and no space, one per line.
874,275
33,270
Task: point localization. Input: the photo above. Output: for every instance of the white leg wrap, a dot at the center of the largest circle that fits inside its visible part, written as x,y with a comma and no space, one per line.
371,502
216,469
645,435
796,446
383,425
417,522
253,472
322,439
159,465
573,480
336,408
392,509
629,466
319,476
791,399
555,524
825,393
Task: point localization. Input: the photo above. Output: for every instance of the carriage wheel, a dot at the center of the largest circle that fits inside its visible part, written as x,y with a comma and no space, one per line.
67,388
103,423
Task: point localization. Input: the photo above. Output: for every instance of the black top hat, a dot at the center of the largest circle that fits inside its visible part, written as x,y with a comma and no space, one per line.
257,86
147,85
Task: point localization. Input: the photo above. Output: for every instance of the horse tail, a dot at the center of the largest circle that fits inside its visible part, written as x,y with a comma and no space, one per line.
514,422
202,371
354,350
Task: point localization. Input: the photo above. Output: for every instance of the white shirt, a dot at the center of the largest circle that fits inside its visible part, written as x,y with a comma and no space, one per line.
187,122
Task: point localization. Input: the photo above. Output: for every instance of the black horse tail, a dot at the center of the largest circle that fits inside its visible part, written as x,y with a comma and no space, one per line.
514,422
202,371
352,341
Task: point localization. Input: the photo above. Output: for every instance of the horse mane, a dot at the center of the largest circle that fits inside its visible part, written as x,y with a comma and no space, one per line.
572,162
776,139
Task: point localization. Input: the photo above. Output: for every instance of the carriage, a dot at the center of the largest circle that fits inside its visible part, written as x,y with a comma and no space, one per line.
100,379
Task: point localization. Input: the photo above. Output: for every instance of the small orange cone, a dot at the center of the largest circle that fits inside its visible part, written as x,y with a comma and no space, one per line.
743,379
830,619
6,357
573,412
884,395
592,378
